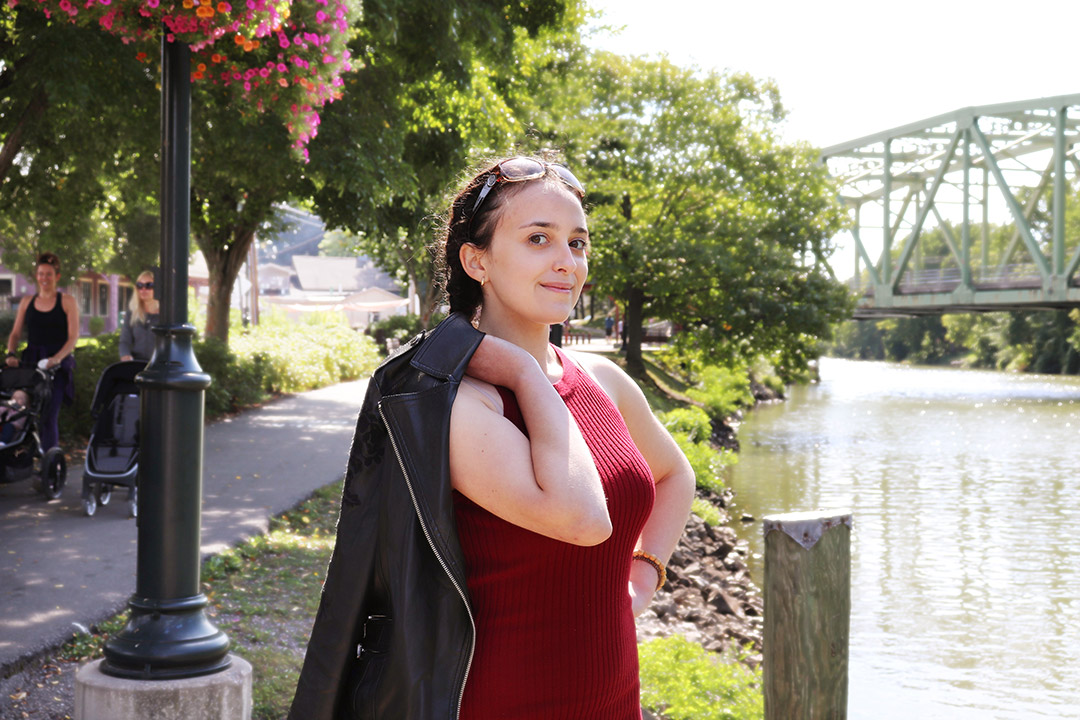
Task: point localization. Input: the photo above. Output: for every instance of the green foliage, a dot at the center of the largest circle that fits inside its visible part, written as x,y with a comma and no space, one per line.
681,680
296,357
396,327
276,357
236,380
442,79
699,213
722,391
97,325
692,429
77,113
1034,341
707,512
691,421
7,322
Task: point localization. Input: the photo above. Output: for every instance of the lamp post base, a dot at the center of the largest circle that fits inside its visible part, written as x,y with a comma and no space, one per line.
166,640
222,696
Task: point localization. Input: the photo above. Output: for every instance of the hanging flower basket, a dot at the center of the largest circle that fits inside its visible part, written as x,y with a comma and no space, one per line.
272,53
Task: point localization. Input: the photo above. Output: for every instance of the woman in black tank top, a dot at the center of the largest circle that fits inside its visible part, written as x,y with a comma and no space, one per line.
51,319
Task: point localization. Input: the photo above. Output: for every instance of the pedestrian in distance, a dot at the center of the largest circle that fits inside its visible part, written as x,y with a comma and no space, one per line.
51,320
609,326
509,507
136,336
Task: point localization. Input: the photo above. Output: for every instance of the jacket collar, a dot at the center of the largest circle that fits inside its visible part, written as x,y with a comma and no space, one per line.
446,351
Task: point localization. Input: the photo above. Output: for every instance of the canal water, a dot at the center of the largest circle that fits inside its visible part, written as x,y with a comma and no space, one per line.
965,492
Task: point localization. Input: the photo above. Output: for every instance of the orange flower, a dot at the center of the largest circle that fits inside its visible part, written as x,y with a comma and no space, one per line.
248,46
205,12
239,39
196,75
188,4
202,67
283,82
223,7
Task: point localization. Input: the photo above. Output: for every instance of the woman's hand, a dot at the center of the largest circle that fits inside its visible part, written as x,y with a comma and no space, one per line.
11,361
643,579
500,362
125,358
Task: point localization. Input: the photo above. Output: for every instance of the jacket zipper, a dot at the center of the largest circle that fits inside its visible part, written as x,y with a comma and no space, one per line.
442,562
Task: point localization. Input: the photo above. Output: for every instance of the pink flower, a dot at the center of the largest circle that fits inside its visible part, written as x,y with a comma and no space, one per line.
320,16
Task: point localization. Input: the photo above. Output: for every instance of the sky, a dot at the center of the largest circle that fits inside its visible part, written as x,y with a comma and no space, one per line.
850,68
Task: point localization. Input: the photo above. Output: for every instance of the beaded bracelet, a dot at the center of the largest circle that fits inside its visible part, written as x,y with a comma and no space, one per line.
661,571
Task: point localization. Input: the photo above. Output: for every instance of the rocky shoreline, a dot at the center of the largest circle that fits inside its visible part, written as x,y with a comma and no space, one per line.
710,597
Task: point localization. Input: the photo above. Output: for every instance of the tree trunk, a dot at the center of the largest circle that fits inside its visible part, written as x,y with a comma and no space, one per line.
635,306
223,261
14,141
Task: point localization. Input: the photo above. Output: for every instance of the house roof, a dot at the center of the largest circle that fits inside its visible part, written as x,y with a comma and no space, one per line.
374,299
274,269
335,274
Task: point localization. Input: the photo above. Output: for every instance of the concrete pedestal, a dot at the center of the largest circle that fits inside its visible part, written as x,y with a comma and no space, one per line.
222,696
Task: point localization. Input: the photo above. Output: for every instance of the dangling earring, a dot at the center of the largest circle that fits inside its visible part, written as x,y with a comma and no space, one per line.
483,280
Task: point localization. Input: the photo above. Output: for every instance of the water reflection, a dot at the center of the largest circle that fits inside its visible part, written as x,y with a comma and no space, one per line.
964,493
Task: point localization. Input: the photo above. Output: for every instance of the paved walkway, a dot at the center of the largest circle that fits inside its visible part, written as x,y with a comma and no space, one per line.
59,567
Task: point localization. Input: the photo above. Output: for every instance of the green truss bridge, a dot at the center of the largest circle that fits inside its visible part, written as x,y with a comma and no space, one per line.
971,211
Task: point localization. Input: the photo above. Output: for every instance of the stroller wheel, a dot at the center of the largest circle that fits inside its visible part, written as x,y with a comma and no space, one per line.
133,502
53,473
104,494
89,505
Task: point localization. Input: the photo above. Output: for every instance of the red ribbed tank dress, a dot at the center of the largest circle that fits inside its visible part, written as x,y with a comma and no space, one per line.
555,635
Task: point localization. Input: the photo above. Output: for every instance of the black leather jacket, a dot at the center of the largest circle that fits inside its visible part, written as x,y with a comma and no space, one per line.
395,586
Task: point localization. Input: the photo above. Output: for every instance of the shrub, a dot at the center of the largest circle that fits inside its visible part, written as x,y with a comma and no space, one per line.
294,357
691,429
398,327
275,357
7,322
723,391
707,512
692,421
680,680
96,325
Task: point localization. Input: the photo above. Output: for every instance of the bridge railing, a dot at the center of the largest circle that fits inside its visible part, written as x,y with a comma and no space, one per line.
1020,275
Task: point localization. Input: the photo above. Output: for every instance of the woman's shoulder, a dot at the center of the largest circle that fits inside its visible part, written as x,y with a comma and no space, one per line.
612,378
67,300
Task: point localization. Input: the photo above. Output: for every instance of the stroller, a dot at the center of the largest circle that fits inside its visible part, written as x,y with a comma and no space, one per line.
112,455
20,438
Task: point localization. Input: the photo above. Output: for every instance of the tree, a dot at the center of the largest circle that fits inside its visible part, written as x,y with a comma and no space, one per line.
77,112
435,91
265,68
700,215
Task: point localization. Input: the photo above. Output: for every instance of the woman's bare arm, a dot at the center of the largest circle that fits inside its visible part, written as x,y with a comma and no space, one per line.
672,474
546,482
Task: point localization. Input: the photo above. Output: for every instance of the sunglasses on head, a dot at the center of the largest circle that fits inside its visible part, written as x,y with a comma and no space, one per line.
520,169
145,285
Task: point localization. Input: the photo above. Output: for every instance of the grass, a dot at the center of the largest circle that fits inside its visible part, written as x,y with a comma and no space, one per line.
263,594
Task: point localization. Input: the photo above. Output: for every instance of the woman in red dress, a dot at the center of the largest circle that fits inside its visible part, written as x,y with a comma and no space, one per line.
569,494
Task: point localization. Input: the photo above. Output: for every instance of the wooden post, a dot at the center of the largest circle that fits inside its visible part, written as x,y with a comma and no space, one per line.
807,613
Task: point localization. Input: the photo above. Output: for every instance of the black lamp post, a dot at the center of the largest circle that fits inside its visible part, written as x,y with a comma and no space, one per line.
168,636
